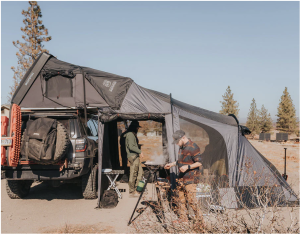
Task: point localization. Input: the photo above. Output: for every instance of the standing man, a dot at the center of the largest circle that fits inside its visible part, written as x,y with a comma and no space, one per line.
189,161
134,154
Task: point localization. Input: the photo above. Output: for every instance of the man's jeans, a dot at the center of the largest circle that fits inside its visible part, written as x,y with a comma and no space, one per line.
187,194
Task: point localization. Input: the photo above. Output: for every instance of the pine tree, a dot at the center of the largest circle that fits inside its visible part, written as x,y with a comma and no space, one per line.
35,34
265,120
229,105
286,121
252,119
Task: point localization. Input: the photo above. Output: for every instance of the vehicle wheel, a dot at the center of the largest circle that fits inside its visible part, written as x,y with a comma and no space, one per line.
17,189
62,141
90,184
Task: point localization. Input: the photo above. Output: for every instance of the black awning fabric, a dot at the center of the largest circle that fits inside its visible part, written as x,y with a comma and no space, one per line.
107,114
145,116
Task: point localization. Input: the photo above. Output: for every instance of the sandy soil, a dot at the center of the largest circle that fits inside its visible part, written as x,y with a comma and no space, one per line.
63,209
274,152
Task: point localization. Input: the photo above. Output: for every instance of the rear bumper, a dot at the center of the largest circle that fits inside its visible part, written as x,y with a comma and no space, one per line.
41,174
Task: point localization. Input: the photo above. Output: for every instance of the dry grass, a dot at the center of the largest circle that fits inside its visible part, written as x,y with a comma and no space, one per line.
262,209
78,228
267,215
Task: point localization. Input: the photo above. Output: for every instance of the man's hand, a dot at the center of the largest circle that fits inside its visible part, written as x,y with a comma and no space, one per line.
168,166
184,168
141,155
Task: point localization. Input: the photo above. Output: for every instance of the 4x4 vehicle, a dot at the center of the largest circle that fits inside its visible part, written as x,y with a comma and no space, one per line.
76,145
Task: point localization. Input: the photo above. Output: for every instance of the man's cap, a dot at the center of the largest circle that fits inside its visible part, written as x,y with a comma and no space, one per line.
135,123
177,136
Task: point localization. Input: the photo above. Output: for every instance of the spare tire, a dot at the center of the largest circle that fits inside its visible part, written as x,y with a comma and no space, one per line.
62,143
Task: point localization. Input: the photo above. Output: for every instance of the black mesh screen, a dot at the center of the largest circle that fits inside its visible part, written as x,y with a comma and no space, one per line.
59,86
212,146
195,133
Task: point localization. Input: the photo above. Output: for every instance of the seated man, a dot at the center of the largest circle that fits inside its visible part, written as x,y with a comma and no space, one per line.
189,161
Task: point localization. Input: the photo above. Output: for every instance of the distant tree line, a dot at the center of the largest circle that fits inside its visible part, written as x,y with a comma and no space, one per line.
260,121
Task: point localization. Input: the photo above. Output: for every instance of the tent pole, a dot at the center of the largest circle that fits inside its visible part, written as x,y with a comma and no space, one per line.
172,174
84,98
171,102
100,153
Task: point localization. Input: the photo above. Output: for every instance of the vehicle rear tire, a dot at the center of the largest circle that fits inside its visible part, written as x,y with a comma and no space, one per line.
90,184
17,189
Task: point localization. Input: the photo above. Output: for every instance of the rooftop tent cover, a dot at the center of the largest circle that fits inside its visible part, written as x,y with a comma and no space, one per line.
54,83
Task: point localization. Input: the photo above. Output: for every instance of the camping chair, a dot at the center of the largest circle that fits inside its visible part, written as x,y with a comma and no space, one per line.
109,173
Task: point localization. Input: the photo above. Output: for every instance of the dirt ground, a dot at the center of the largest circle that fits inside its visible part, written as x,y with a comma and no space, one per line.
58,210
63,210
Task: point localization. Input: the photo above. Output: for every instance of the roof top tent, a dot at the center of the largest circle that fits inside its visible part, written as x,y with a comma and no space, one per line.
51,83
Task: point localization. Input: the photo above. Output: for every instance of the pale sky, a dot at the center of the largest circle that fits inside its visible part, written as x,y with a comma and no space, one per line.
193,50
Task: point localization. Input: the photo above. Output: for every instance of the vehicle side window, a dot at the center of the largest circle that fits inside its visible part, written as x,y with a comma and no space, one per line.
92,127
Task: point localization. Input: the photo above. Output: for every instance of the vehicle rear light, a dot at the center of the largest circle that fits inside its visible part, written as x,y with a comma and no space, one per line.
81,145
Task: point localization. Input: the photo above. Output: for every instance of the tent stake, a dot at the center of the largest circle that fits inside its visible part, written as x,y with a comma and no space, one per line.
284,175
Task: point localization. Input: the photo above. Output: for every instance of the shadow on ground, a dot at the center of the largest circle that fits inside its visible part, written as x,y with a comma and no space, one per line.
155,208
45,191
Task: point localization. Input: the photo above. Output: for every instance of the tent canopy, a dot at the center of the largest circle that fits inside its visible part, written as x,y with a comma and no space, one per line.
53,83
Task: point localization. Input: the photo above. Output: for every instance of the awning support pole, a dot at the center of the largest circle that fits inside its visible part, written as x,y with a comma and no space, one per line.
173,178
100,153
171,102
84,98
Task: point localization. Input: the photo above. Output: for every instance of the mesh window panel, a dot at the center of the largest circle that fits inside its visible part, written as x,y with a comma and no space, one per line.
195,133
212,148
59,86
